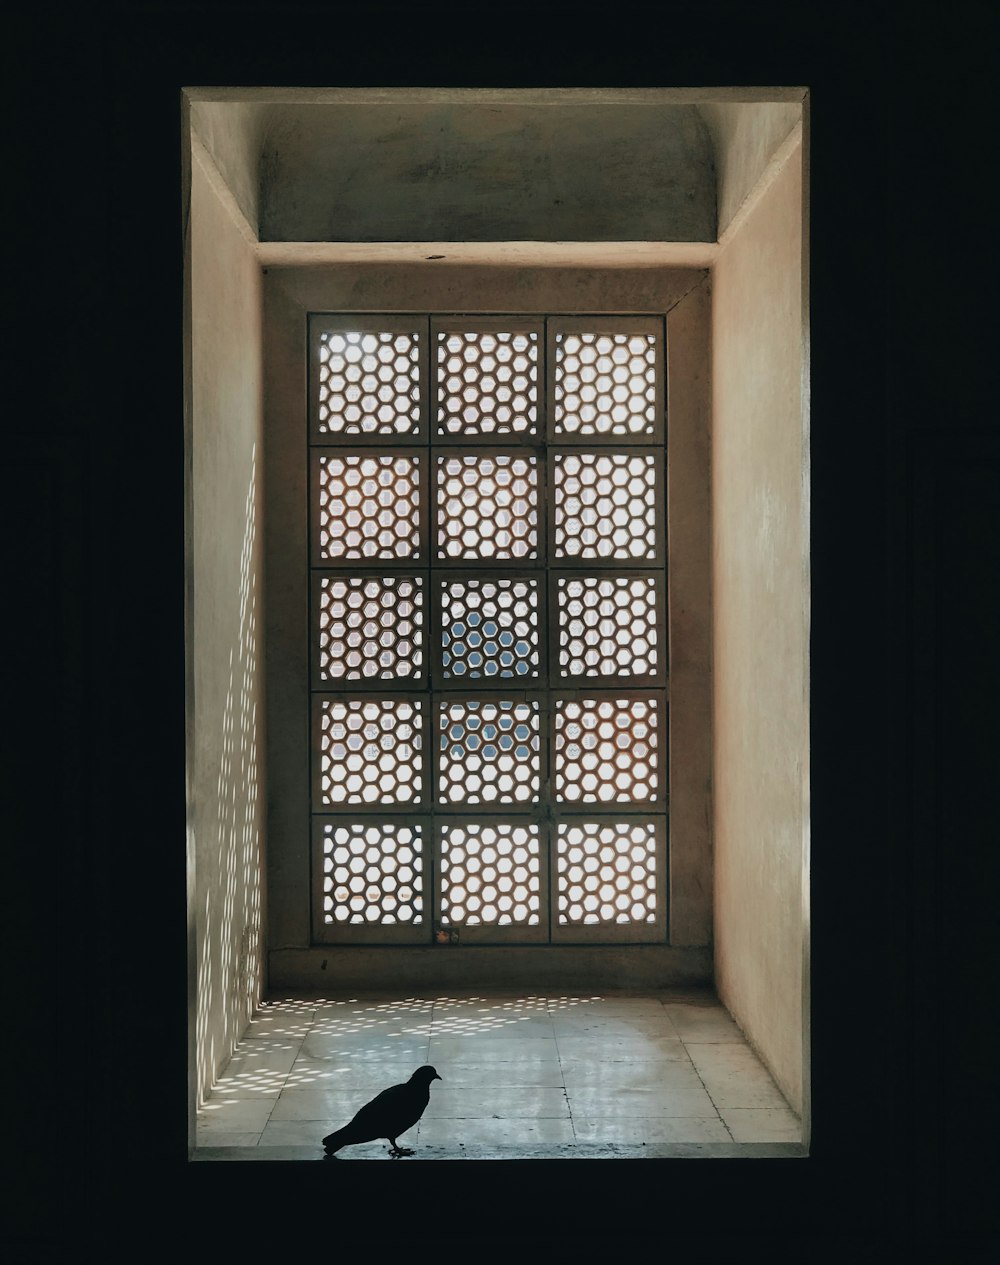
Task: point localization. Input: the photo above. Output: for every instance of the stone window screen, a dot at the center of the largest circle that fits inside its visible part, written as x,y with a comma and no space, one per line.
488,634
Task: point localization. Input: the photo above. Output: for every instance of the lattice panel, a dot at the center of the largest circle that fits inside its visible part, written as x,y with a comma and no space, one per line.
487,383
487,506
489,752
372,873
605,384
370,627
606,872
606,749
369,383
370,751
608,626
489,628
490,875
369,506
605,505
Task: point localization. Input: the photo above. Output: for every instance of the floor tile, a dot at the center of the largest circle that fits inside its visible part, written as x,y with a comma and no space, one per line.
505,1131
349,1074
607,1004
280,1021
367,1049
222,1138
734,1076
762,1124
257,1069
491,1024
619,1074
319,1104
496,1103
490,1049
652,1130
237,1116
686,1098
297,1133
647,1025
703,1023
600,1048
511,1075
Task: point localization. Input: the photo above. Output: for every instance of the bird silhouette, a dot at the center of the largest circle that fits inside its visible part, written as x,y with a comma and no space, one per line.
389,1114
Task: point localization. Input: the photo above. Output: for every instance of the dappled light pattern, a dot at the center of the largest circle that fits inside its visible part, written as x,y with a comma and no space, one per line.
372,872
605,384
606,872
487,383
490,874
229,848
608,626
370,626
369,383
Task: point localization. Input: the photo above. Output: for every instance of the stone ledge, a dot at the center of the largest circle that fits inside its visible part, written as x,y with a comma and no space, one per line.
570,1151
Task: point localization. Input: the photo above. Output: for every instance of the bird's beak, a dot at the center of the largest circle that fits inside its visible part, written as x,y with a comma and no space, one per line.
436,1078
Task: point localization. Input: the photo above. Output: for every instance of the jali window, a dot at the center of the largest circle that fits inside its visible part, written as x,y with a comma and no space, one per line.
488,644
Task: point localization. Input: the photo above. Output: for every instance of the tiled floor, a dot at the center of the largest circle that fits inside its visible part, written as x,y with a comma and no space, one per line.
572,1075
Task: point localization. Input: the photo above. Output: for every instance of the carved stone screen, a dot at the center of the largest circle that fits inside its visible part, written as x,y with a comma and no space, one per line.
488,654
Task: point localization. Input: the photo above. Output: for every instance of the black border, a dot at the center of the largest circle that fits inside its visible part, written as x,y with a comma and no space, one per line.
905,458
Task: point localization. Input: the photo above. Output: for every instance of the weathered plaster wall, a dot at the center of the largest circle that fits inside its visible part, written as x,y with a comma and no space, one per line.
225,771
473,172
760,552
745,137
232,133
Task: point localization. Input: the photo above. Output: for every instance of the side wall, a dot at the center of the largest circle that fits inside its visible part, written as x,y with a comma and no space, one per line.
760,605
224,624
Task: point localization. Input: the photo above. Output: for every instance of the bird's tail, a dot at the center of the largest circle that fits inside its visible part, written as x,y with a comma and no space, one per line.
334,1141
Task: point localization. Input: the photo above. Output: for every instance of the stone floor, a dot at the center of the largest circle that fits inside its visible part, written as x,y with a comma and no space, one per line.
523,1075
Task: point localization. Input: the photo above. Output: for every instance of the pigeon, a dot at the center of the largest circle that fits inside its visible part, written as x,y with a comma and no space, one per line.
389,1114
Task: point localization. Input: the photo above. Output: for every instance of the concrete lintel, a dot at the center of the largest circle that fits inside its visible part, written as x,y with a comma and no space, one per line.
504,254
493,96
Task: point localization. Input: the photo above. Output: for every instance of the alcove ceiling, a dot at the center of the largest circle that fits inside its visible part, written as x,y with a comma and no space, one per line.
489,165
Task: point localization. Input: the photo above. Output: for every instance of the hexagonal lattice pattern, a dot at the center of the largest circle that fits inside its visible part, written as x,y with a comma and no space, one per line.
607,626
370,751
490,874
369,383
606,872
372,872
370,626
487,383
489,628
489,752
605,384
487,507
369,506
605,505
606,749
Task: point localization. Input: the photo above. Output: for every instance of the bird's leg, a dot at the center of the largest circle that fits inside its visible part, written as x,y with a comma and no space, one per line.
395,1150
